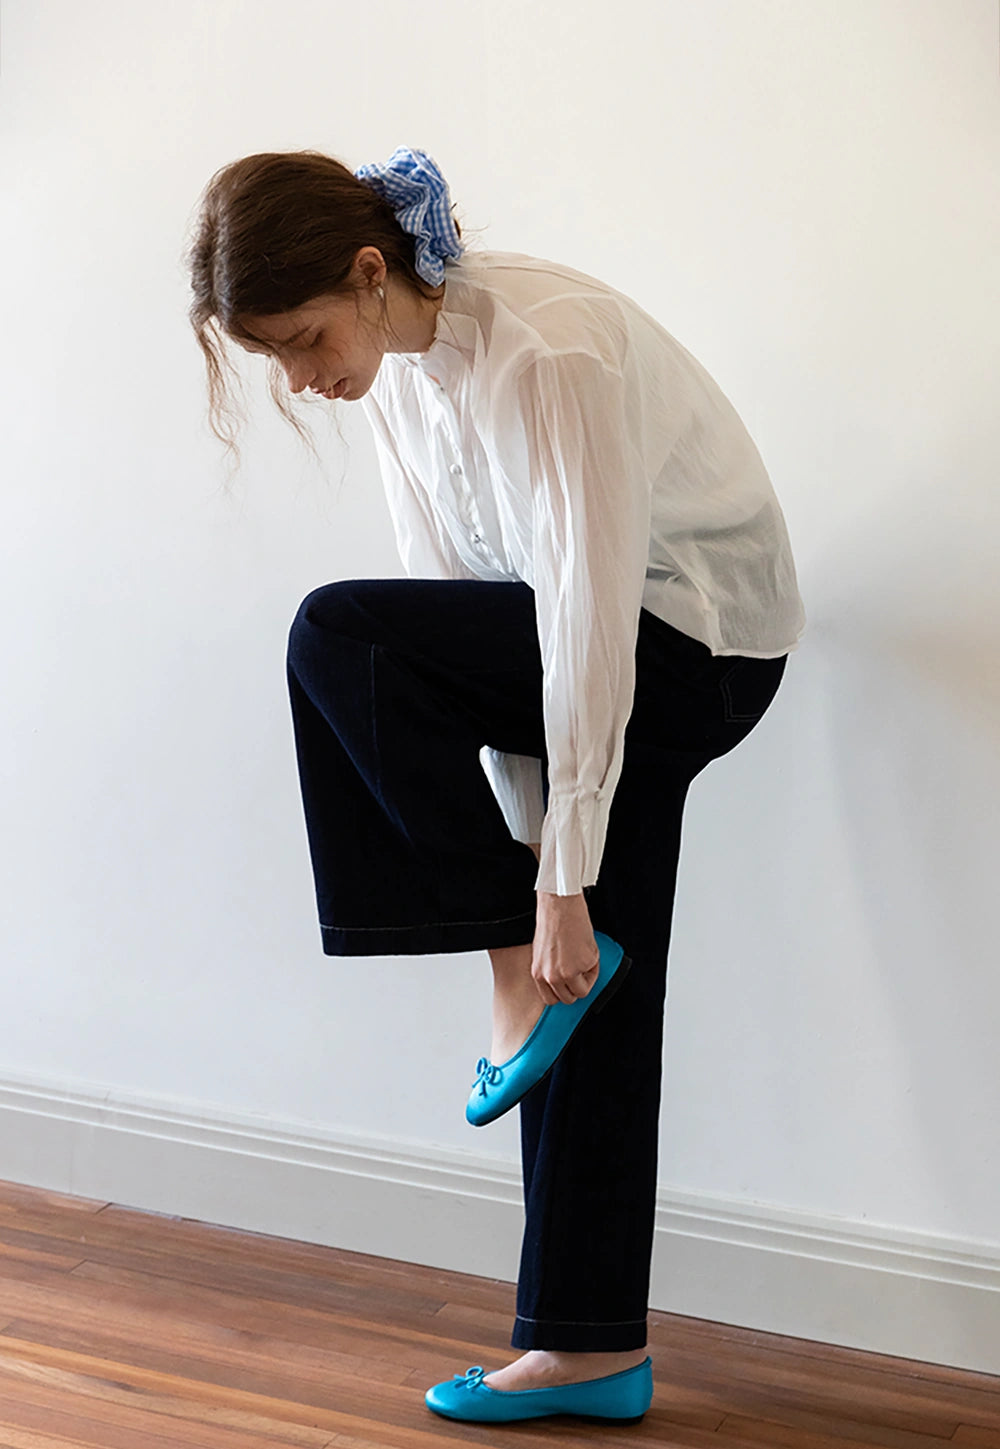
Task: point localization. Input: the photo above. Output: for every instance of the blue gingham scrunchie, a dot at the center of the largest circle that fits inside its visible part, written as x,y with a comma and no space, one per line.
415,189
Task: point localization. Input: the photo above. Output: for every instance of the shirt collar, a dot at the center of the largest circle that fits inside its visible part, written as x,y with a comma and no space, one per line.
458,337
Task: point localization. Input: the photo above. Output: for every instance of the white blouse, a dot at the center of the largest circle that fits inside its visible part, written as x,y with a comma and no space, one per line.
555,433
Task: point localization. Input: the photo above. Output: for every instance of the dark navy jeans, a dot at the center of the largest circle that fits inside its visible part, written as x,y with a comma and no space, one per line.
395,686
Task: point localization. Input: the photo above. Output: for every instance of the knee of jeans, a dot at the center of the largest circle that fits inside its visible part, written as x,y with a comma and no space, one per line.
328,608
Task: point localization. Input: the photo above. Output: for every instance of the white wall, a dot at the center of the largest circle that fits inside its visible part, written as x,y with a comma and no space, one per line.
806,195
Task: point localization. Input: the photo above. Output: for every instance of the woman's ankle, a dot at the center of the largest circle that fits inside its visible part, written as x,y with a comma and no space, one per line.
511,963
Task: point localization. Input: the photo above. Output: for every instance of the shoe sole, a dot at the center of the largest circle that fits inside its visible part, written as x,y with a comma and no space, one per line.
603,1419
534,1418
598,1418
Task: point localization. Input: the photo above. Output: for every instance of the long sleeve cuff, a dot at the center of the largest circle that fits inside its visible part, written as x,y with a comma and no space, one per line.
573,836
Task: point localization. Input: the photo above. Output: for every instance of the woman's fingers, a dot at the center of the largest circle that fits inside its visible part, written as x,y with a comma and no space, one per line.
588,978
568,989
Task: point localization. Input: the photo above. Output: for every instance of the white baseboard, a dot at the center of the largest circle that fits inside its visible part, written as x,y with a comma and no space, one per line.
855,1284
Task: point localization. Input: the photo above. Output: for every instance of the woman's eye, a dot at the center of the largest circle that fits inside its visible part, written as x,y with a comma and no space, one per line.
315,340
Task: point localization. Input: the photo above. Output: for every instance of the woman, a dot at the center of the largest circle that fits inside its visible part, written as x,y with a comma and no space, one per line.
495,751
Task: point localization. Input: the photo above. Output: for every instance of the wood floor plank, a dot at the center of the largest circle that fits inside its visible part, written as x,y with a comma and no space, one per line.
382,1332
144,1306
156,1403
40,1257
328,1387
749,1390
246,1273
14,1196
25,1439
818,1431
667,1329
268,1366
936,1391
971,1437
70,1415
224,1358
155,1364
282,1291
180,1412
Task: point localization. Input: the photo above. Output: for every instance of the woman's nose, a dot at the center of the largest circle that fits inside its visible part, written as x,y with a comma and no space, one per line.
300,374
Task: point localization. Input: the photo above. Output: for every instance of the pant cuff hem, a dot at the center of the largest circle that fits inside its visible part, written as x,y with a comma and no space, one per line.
579,1337
428,940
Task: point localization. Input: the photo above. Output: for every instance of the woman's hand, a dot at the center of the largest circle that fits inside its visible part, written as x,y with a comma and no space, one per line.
565,959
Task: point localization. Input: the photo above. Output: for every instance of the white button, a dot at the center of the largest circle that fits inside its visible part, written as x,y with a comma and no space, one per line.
455,468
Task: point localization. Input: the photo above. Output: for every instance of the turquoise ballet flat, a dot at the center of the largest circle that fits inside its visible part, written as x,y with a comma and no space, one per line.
498,1088
620,1398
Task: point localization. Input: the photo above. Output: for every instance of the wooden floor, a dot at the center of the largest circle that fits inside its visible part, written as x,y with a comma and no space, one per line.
130,1330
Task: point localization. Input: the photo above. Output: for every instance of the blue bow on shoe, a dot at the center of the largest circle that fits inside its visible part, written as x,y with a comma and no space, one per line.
487,1073
472,1377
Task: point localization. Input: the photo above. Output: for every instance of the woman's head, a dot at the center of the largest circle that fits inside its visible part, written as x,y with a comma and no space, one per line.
293,240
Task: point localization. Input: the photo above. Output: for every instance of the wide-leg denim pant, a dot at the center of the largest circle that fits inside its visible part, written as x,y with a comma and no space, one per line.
395,686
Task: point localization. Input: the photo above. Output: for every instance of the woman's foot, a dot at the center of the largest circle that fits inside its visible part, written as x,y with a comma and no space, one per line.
543,1368
516,1002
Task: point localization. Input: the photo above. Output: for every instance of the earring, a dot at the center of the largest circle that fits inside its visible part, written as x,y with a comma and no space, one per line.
381,293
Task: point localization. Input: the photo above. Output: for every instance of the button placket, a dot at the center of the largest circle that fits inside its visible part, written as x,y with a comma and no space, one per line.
466,501
464,496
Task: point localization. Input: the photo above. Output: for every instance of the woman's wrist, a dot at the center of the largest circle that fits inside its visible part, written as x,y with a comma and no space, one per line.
549,901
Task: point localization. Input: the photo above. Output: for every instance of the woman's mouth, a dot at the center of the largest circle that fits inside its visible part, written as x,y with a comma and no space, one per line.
333,392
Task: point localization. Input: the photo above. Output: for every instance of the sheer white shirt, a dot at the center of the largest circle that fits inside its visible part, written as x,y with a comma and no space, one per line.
557,434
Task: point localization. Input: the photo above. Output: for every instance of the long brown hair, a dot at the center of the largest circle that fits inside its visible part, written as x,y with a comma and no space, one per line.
275,231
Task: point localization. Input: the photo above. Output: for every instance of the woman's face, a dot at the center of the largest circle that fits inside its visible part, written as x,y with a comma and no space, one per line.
328,345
